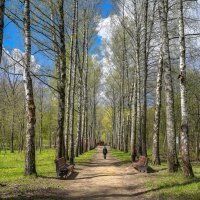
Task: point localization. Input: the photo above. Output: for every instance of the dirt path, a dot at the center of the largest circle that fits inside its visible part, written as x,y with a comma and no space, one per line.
100,179
106,179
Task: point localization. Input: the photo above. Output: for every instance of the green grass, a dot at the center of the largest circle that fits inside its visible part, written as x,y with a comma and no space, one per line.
12,171
120,155
85,158
175,186
12,164
166,186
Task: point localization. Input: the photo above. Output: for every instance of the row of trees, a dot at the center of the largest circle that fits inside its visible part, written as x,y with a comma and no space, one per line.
64,89
148,43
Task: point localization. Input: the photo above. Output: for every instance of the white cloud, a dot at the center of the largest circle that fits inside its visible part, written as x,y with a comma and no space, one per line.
107,26
106,29
14,61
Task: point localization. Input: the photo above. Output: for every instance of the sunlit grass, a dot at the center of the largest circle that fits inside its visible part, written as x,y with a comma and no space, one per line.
85,158
166,186
12,164
175,186
125,157
12,177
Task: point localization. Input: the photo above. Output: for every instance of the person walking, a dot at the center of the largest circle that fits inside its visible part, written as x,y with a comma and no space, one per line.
105,151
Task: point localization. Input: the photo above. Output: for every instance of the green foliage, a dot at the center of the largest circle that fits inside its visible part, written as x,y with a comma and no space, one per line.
106,123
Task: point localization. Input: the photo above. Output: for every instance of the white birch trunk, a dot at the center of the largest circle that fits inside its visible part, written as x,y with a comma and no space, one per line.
75,57
134,123
169,96
144,108
187,168
61,83
30,167
155,151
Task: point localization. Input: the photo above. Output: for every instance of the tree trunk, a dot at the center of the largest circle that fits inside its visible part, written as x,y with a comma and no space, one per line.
12,126
86,88
50,126
169,96
69,90
83,146
137,58
134,123
144,108
81,110
187,167
30,106
41,119
114,122
125,86
139,107
75,57
118,127
122,125
197,146
156,148
2,8
61,83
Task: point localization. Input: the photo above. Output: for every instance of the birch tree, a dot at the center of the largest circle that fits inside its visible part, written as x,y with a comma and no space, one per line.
61,84
187,168
30,167
157,119
134,123
144,109
74,73
169,96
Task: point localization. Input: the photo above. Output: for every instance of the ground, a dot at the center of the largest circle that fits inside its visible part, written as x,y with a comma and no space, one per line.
106,179
94,178
98,179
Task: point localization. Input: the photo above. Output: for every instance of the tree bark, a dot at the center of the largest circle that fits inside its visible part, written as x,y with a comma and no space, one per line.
61,83
81,110
75,57
156,155
12,124
187,167
198,147
169,96
84,144
137,58
134,123
144,108
30,167
69,89
50,127
125,87
41,120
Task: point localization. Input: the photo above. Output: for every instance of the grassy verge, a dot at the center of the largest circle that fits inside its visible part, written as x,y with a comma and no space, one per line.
165,186
175,186
120,155
12,179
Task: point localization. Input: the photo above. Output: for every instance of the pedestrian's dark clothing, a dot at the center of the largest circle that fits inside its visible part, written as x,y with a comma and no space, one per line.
105,151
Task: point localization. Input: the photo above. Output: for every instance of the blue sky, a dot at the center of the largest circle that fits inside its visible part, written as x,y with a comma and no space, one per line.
13,37
106,10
